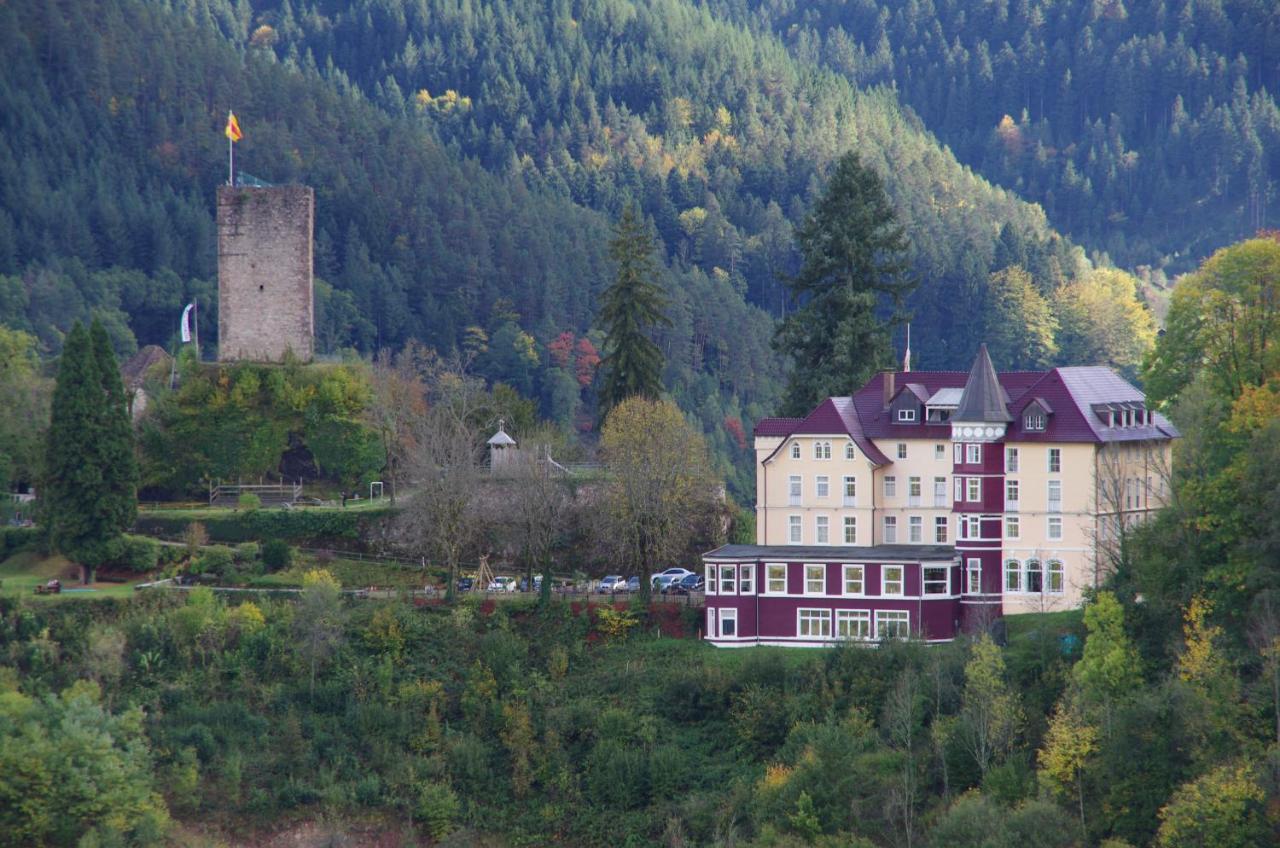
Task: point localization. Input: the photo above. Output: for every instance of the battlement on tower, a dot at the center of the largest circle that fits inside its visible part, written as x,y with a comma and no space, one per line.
265,282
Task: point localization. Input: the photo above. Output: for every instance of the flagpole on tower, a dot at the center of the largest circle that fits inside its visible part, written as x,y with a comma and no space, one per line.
195,316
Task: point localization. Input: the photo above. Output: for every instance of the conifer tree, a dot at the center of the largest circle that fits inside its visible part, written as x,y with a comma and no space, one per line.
854,265
115,442
632,305
75,509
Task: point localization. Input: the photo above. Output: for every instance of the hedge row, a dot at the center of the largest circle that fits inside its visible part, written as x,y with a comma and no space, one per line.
310,527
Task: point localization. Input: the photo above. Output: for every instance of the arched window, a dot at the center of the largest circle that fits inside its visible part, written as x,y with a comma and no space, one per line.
1035,576
849,452
1055,577
795,450
1012,576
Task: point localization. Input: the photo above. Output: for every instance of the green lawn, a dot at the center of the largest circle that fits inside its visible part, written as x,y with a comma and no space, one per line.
22,572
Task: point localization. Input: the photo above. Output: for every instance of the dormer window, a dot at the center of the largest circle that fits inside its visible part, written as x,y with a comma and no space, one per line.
1033,421
907,416
1035,416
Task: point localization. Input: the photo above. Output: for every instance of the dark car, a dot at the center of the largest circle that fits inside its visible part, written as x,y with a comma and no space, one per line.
688,584
466,584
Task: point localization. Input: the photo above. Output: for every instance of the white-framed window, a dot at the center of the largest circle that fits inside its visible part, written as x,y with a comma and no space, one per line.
1055,460
975,526
940,529
794,491
939,451
822,486
1011,493
893,624
1055,496
822,530
1012,527
915,529
775,578
915,489
935,580
853,624
959,489
815,579
728,623
1055,575
795,450
906,415
813,623
795,529
849,451
1054,529
975,488
851,529
957,453
709,582
973,454
1012,575
973,576
890,486
821,450
1035,577
1033,421
891,582
711,621
890,530
853,582
728,580
850,491
746,580
902,450
939,491
1011,460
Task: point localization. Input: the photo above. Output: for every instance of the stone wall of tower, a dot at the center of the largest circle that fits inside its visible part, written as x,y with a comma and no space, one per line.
265,298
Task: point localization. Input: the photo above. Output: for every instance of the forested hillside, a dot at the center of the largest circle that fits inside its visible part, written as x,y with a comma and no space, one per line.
1148,129
723,137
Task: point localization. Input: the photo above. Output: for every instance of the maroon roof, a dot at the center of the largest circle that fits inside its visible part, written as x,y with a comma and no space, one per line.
1069,394
776,426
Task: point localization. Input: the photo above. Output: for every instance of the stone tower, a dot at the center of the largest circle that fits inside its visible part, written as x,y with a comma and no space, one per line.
265,305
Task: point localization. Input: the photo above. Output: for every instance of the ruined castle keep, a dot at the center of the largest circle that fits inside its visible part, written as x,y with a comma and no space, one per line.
265,305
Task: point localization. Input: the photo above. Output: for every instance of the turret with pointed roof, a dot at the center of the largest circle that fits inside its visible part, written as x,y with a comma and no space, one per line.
984,401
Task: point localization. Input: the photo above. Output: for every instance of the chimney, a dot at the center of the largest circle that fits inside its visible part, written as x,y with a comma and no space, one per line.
888,387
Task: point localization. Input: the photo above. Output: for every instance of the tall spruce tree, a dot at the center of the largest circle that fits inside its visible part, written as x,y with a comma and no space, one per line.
850,289
87,502
115,443
631,305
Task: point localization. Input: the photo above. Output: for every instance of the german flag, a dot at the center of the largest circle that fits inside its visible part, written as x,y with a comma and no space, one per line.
233,127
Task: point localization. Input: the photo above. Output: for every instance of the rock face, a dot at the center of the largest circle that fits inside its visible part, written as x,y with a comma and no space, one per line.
265,300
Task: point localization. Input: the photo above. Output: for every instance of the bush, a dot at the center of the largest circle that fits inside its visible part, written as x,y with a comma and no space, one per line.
217,559
14,539
276,554
247,551
437,808
248,501
138,554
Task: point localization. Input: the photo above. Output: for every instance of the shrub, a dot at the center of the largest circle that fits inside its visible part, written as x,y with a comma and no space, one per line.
248,501
276,554
14,539
437,808
195,536
247,551
217,559
138,553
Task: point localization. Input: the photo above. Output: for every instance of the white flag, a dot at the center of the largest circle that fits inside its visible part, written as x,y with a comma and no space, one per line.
186,323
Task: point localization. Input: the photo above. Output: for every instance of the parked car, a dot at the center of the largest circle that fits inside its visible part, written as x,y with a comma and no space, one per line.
537,583
466,584
502,584
663,582
673,573
633,584
612,583
687,584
